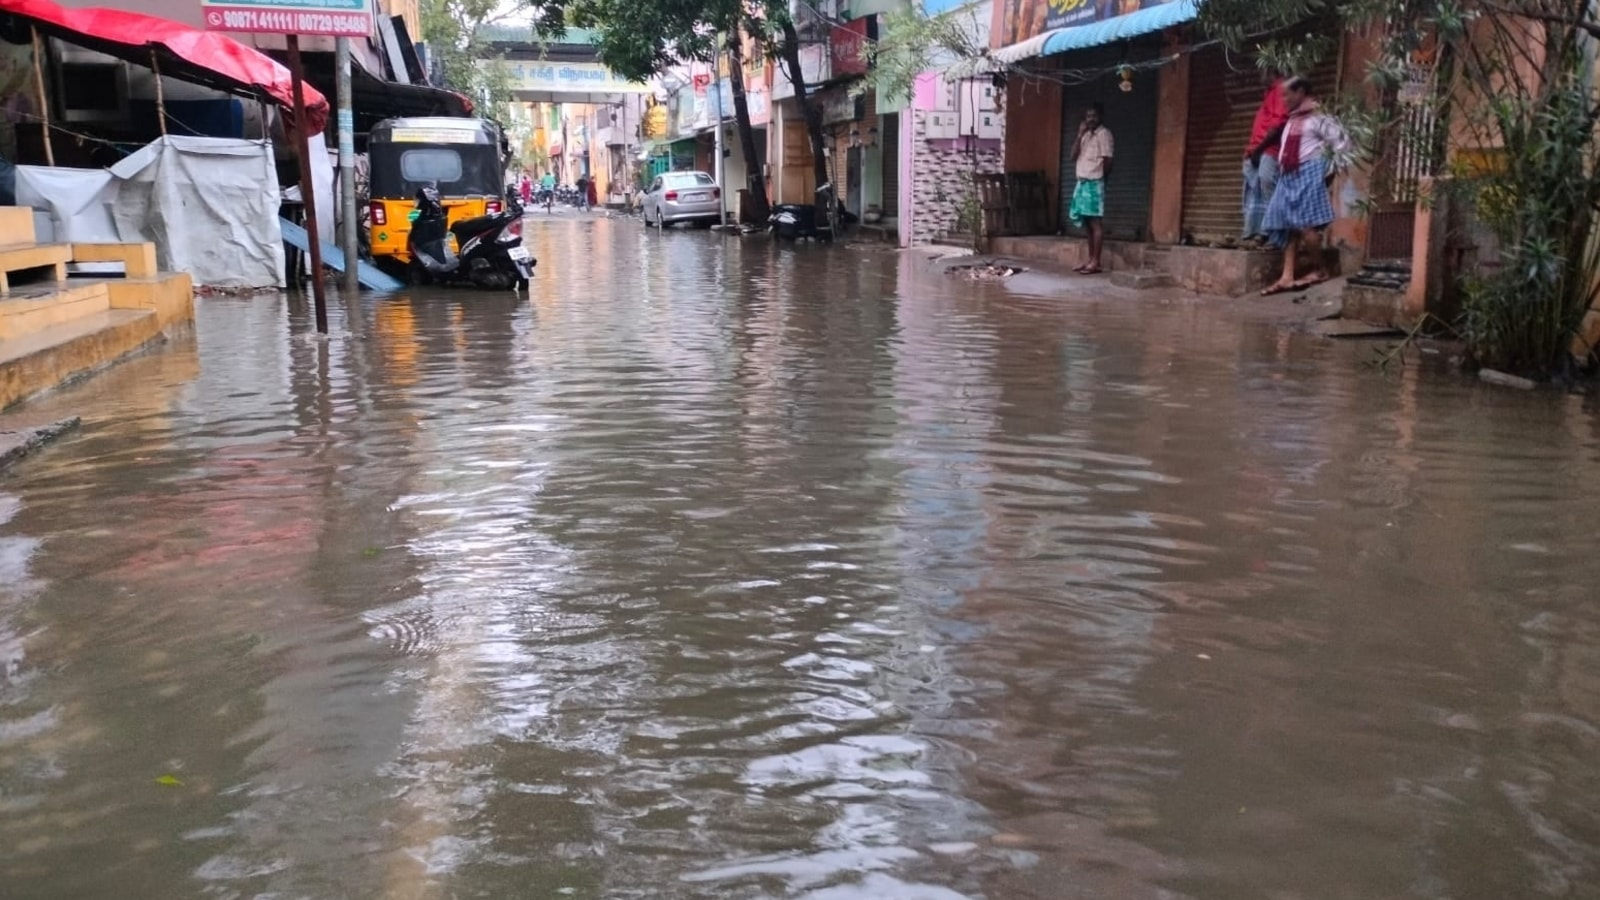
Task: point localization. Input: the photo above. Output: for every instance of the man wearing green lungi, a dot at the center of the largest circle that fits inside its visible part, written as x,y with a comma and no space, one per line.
1092,153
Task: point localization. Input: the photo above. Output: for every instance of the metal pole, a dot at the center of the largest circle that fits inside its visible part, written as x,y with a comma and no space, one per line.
308,192
722,192
347,168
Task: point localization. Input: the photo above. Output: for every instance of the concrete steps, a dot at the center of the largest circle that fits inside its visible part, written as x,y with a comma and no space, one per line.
28,310
22,256
54,330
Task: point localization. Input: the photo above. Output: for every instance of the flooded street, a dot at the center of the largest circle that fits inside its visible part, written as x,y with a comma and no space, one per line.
715,569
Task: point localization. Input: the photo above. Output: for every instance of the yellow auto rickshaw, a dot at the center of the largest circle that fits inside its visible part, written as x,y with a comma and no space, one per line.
465,159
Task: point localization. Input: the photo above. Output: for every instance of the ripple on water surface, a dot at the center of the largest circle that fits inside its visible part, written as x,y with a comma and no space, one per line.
715,569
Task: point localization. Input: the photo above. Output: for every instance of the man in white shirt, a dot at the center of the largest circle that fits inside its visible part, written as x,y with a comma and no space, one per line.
1092,154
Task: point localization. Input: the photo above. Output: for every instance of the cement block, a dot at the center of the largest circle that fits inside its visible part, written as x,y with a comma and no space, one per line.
1143,279
1373,305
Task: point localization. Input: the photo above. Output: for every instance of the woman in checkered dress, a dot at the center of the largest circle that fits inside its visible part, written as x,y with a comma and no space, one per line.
1314,147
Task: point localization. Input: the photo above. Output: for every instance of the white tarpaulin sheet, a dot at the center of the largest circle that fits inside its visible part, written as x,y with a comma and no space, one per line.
210,205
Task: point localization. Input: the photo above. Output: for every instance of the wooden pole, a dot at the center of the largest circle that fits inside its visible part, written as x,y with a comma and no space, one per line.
308,192
161,97
44,101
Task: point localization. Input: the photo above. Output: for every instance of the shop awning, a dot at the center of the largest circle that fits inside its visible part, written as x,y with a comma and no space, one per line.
189,54
1095,34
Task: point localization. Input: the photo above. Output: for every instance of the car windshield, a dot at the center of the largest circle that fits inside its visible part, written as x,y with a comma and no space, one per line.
687,180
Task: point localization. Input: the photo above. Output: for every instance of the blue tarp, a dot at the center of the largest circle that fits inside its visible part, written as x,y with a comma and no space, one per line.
370,276
1145,21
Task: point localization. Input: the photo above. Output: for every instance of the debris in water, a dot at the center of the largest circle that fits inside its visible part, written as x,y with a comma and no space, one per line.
986,272
169,781
1504,379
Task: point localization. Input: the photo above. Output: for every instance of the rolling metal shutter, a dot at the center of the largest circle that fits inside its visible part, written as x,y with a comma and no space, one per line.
1131,117
1224,94
889,139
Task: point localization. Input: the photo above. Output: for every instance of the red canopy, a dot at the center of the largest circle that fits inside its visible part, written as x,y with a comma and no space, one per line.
184,52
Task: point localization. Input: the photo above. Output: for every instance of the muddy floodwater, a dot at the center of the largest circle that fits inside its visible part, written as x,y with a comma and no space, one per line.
713,569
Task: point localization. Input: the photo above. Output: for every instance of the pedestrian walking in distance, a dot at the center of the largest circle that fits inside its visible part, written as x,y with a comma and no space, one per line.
1261,161
1092,155
1314,147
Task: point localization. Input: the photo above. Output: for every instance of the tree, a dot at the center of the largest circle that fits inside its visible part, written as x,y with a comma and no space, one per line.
454,33
788,49
1498,101
911,42
640,40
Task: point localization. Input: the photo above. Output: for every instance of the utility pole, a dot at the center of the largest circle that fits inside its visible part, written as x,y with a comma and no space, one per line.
347,169
722,191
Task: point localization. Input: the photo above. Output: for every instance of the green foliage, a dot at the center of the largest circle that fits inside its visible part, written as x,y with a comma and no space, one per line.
642,39
454,32
912,42
1521,318
1508,81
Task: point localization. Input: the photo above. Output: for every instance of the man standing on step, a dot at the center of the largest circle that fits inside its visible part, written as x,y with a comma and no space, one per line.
1261,161
1092,154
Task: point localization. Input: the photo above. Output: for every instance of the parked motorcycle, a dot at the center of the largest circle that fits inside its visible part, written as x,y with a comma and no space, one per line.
793,221
491,254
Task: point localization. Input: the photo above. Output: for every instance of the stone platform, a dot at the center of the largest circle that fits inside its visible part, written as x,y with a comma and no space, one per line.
1205,270
54,329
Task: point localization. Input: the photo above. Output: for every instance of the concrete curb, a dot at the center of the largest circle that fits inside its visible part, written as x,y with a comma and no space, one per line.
14,445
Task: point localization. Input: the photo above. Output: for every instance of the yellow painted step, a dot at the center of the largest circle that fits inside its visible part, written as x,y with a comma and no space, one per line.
16,225
38,306
170,294
16,257
138,260
51,356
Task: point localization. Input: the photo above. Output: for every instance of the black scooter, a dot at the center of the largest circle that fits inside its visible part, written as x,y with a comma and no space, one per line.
492,255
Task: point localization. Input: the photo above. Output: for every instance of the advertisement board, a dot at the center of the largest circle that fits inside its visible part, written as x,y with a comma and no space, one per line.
1024,19
569,78
340,18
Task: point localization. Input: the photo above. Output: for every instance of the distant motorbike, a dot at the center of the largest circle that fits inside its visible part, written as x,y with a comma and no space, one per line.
491,254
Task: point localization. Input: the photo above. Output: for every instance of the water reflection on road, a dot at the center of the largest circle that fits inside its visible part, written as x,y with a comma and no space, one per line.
714,569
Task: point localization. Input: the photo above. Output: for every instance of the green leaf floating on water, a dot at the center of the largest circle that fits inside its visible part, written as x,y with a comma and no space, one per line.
371,552
169,781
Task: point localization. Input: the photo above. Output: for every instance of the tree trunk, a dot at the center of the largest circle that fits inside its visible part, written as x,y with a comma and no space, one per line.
754,166
813,117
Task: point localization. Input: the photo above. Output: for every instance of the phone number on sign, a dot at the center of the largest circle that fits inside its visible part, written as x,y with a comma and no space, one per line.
285,22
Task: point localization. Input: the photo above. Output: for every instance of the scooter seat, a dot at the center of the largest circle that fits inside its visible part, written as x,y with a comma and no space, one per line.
466,228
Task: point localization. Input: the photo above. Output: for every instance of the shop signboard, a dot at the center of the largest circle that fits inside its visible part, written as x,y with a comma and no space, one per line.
847,47
340,18
1024,19
568,78
756,99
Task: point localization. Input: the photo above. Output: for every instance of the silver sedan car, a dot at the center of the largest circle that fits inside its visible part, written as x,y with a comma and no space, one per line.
683,197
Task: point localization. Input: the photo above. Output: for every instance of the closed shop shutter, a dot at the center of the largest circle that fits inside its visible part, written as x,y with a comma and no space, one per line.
889,137
1131,116
1224,93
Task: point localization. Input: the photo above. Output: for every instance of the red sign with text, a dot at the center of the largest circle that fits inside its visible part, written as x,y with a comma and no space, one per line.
847,46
